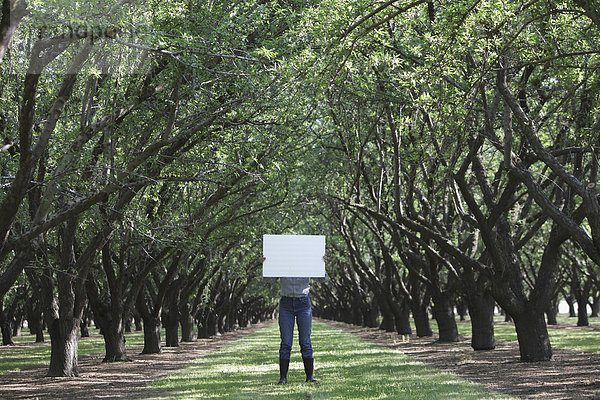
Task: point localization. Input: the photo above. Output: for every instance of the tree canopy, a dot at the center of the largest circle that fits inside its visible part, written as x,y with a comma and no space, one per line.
448,150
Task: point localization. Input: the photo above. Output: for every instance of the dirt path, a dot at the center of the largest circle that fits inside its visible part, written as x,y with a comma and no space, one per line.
569,375
127,380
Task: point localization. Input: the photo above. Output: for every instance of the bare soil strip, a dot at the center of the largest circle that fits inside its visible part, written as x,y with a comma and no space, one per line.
569,375
126,380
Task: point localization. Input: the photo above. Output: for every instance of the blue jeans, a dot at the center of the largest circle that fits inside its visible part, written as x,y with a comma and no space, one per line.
298,309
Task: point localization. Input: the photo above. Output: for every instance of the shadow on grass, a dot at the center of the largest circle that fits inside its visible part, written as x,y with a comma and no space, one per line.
26,354
348,367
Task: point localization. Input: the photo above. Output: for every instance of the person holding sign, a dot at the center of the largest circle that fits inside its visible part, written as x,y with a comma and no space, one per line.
285,257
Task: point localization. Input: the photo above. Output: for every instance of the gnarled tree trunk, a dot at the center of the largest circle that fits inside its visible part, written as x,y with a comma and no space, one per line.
151,325
63,348
481,310
171,324
443,311
5,326
35,322
387,321
422,325
402,318
370,315
187,322
114,343
551,313
532,334
152,343
110,323
171,315
595,307
582,316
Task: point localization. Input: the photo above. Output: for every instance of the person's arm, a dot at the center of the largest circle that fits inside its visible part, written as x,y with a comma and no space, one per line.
266,278
324,279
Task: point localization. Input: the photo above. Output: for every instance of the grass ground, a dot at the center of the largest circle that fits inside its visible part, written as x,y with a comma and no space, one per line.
566,338
20,357
349,367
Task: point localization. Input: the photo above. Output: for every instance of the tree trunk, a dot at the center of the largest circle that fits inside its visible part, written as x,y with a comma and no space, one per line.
63,347
443,311
187,322
532,334
211,323
571,304
387,323
171,324
226,325
108,318
232,321
39,334
36,324
10,22
481,310
207,323
171,314
220,319
151,325
595,307
357,314
551,313
203,330
242,317
507,317
402,318
582,316
85,322
5,326
6,333
85,332
151,335
114,343
420,298
33,306
137,321
370,315
572,312
17,323
64,311
387,320
422,324
461,309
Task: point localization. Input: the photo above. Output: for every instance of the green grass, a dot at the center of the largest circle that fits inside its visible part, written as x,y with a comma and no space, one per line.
349,368
38,355
17,357
564,319
575,339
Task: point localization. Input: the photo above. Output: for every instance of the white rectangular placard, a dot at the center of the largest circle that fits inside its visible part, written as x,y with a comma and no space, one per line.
294,256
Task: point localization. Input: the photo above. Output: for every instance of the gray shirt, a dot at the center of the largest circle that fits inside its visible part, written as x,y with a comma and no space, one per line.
294,287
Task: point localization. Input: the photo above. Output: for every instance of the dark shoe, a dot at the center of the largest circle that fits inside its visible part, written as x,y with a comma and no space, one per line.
284,365
309,367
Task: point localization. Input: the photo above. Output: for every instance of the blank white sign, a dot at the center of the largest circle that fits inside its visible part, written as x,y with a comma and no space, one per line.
294,256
